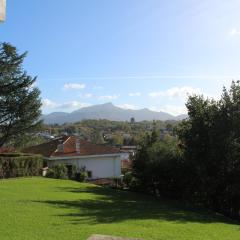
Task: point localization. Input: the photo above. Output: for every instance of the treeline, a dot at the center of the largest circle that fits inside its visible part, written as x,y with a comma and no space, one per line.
202,164
111,132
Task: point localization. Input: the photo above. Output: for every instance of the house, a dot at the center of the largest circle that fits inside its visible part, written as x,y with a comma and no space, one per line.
100,161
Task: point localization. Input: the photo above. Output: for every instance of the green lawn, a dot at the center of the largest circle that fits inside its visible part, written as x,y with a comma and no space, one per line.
44,209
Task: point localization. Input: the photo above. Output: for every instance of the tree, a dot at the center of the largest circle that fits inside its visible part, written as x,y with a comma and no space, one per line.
156,166
97,137
117,140
210,140
201,165
20,101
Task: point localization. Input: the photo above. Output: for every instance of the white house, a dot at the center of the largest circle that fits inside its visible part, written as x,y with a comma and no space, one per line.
100,161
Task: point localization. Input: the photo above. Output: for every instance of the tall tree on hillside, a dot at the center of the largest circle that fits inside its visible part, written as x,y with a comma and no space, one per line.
20,101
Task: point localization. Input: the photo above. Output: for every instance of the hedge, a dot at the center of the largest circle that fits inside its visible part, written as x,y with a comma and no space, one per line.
20,165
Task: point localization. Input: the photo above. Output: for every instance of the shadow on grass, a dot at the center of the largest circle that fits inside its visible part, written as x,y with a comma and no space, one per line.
112,206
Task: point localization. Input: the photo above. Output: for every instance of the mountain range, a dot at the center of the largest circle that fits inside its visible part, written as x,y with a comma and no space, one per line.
110,112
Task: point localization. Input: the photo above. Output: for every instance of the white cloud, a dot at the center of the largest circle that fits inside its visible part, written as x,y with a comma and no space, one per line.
97,87
234,32
174,110
67,106
109,97
135,94
128,106
73,105
176,92
74,86
47,103
88,95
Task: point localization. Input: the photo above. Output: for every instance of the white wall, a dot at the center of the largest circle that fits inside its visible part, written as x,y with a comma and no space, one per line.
101,167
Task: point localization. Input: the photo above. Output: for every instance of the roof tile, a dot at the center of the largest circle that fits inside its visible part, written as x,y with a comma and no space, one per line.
49,149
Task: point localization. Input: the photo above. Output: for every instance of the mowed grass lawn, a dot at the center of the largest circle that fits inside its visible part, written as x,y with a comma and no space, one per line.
44,209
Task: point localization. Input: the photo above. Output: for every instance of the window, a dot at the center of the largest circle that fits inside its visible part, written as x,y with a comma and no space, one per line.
89,174
69,171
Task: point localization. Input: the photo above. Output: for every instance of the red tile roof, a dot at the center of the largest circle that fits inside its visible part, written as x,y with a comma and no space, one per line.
50,149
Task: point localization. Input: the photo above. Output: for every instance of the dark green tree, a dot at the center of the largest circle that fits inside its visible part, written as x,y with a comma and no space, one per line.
202,164
210,140
156,166
20,101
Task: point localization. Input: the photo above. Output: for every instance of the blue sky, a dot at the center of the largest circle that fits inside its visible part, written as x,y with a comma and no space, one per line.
134,53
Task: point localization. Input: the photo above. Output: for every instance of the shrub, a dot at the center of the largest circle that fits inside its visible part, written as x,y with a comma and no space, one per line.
58,171
50,173
72,171
81,175
127,179
20,165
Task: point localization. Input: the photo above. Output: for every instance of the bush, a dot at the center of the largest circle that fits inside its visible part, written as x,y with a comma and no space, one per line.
127,179
58,171
72,172
50,173
20,165
81,175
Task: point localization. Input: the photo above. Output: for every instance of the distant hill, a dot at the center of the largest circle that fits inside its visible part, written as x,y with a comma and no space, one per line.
110,112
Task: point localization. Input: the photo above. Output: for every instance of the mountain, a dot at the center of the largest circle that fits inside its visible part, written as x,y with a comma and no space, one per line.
110,112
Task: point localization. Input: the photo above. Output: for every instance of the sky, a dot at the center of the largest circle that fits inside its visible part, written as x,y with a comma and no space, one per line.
133,53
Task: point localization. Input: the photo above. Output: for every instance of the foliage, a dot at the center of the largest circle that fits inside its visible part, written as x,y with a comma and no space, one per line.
112,132
59,171
19,100
81,175
72,172
73,210
97,137
210,141
25,140
19,165
50,173
156,166
203,164
127,178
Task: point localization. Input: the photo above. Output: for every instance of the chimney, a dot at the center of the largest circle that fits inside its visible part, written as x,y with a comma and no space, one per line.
78,145
60,147
2,10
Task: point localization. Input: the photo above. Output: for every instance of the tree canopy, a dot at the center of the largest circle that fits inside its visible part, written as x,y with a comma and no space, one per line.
20,101
203,164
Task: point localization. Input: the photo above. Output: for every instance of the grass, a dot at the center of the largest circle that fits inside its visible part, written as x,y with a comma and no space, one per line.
44,209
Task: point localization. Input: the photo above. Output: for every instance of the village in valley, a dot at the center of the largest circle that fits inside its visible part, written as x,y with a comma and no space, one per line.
106,130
